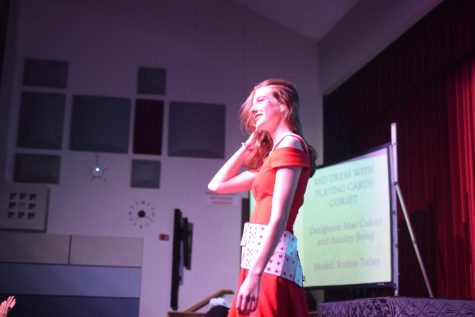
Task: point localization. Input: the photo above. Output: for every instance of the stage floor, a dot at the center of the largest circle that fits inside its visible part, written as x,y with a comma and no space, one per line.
398,306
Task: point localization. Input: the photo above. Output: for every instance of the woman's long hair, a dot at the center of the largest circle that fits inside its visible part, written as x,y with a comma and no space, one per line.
285,93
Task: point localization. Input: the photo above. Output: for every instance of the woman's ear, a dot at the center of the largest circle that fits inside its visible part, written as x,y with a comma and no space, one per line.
283,108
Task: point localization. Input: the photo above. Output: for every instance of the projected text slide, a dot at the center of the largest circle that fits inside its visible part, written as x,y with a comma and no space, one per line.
344,225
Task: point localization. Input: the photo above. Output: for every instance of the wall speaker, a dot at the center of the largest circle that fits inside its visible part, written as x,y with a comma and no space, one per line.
23,206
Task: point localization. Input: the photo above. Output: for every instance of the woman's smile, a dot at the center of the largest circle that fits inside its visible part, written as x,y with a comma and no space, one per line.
266,108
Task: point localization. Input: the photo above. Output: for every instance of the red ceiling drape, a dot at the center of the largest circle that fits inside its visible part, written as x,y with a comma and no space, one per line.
425,82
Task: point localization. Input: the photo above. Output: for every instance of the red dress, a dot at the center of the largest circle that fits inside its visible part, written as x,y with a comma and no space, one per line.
278,296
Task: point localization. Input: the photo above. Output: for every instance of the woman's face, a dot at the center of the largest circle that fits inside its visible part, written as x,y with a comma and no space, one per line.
266,109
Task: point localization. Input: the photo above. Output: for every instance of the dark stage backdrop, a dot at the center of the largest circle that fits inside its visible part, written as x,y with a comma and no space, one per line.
424,81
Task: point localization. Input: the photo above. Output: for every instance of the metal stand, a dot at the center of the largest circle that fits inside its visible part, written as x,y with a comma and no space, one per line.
394,228
397,189
413,238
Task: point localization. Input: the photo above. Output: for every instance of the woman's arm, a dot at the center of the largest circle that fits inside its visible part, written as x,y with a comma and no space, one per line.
227,179
285,186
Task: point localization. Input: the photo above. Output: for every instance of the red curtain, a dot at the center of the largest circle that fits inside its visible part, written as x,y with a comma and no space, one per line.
425,83
461,121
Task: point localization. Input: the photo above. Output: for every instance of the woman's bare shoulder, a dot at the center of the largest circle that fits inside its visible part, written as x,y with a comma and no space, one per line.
291,140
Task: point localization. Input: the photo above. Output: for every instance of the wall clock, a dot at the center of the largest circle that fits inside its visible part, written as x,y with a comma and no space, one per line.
142,214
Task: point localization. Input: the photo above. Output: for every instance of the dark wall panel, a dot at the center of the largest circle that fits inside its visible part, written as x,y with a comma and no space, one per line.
196,130
145,174
148,126
41,120
151,81
36,168
100,124
45,73
70,280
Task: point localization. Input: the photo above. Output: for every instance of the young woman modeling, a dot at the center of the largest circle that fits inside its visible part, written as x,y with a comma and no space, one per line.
279,163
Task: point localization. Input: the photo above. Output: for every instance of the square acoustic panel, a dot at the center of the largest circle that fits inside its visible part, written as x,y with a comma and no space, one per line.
148,127
196,130
145,174
37,168
41,120
45,73
100,124
151,81
23,206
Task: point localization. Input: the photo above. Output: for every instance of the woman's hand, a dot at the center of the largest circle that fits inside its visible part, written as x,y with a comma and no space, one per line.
248,295
251,140
258,141
228,179
250,144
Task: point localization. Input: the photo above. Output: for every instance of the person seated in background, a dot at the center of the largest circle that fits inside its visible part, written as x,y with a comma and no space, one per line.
7,305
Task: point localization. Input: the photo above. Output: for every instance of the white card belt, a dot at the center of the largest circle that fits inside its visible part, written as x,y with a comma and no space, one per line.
284,262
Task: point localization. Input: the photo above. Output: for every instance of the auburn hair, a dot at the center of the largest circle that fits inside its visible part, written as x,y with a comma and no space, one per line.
286,93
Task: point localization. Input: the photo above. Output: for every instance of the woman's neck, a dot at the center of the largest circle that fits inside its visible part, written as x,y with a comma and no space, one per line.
279,133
